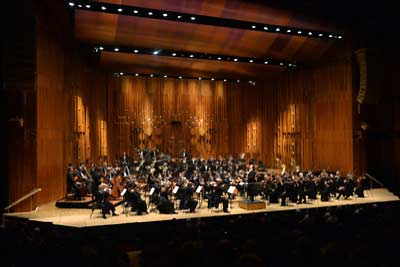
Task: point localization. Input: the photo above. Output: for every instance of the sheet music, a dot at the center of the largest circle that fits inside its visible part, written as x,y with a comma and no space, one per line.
198,190
152,191
123,192
231,189
176,188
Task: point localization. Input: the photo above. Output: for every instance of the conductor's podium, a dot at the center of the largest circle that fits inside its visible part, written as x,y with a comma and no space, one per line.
255,205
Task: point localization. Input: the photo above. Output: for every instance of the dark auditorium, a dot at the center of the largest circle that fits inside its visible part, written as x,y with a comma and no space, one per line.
188,133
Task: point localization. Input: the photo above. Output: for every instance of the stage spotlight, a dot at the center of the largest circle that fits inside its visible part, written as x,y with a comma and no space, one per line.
103,8
235,59
320,35
150,13
277,29
116,49
265,62
219,58
121,73
135,11
281,64
173,54
330,35
199,78
179,17
340,37
299,32
225,80
71,4
101,48
87,6
191,56
253,27
290,64
165,76
79,5
151,75
266,28
180,77
238,81
212,79
310,33
136,74
193,18
165,15
251,61
289,31
119,9
136,51
156,52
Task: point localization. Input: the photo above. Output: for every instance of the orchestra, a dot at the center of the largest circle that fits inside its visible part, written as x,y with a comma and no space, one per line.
172,184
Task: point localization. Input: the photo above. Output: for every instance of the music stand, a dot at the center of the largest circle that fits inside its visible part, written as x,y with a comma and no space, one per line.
231,190
199,198
151,203
174,191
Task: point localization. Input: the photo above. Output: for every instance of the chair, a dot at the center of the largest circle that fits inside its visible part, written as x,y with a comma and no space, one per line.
97,204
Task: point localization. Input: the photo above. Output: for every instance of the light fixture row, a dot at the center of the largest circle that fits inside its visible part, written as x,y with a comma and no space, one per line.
151,75
198,19
192,55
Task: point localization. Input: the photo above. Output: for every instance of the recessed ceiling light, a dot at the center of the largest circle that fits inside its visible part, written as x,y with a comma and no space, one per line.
281,64
173,54
238,81
266,28
116,49
119,9
191,56
71,4
136,51
330,35
136,74
135,11
219,58
253,27
180,77
340,37
277,29
212,79
121,73
156,52
320,35
150,13
309,33
290,64
101,48
151,75
165,76
289,30
225,80
165,15
235,59
179,16
87,6
193,18
299,32
251,61
265,62
199,78
103,8
79,5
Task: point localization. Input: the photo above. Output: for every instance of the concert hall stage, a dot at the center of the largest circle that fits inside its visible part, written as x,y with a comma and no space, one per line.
80,218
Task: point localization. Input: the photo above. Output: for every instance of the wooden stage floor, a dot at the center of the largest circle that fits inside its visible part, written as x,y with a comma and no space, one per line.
80,218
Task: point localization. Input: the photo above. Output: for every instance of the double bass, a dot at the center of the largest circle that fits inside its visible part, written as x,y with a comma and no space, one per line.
118,184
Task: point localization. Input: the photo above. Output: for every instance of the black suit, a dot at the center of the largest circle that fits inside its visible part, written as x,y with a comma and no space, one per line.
251,187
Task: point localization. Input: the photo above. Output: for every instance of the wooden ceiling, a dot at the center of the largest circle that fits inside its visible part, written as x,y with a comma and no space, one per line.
97,28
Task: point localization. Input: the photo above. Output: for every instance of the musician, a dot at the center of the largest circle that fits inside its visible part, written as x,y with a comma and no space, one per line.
72,186
215,197
103,194
133,198
187,201
165,206
251,180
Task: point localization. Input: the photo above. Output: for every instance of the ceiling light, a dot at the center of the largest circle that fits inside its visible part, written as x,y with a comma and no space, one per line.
180,77
165,15
165,76
156,52
121,73
330,35
173,54
290,64
212,79
299,32
179,16
135,11
281,64
103,8
119,9
116,49
87,6
265,62
253,27
235,59
199,78
219,58
151,75
136,74
79,5
191,56
251,61
266,28
277,29
340,37
310,33
225,80
101,48
71,4
150,13
238,81
320,35
193,18
289,30
136,51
